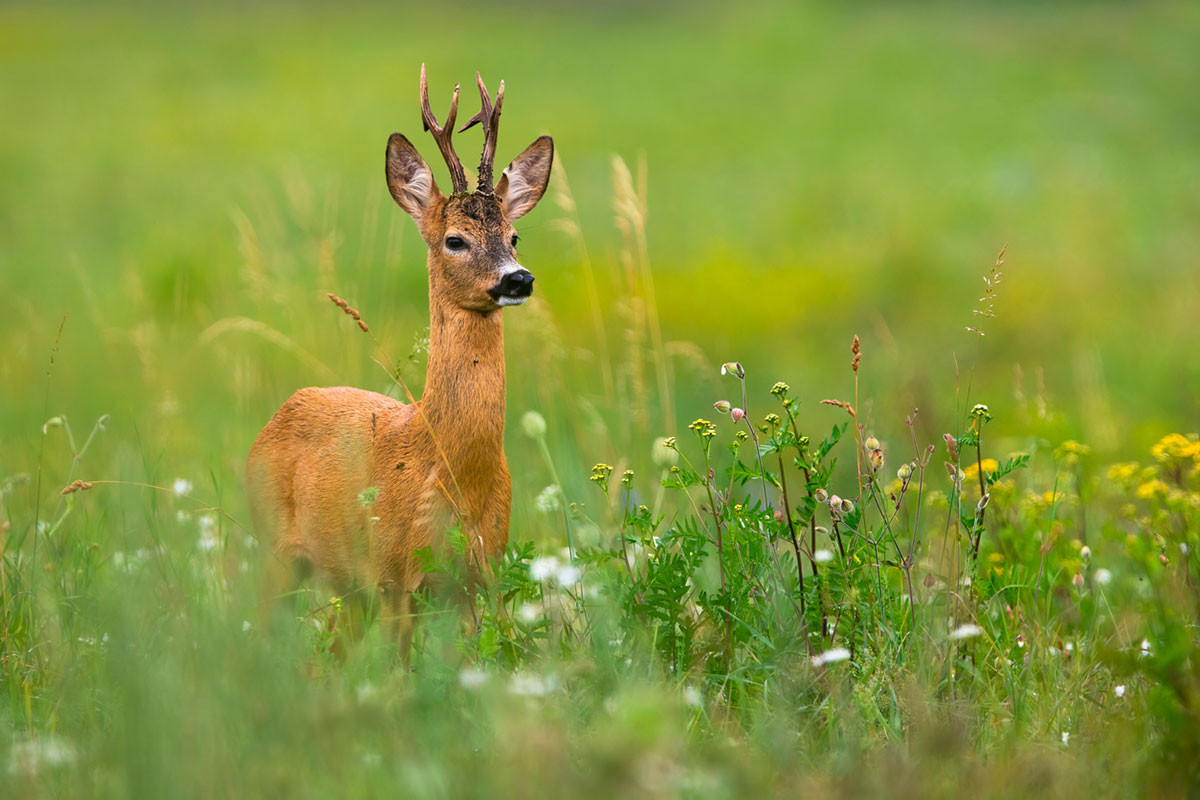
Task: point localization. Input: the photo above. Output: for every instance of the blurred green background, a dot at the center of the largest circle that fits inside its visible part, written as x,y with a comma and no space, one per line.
185,183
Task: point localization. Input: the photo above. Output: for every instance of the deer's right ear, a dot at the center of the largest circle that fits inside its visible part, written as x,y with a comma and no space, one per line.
409,178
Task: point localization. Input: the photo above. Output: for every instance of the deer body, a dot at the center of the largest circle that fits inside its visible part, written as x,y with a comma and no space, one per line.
433,463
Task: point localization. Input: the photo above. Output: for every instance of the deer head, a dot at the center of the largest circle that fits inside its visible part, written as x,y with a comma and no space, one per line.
472,244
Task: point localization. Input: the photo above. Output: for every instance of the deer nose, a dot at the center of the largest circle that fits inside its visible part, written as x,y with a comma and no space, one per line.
518,283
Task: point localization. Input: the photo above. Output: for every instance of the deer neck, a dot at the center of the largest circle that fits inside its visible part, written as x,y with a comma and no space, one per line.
464,391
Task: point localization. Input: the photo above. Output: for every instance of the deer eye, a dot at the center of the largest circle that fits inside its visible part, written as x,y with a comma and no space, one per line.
514,240
455,243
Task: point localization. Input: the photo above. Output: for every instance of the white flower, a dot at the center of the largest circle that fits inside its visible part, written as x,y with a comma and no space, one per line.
208,540
967,631
543,567
528,685
30,756
1119,691
547,500
471,678
568,575
692,696
181,486
831,656
528,613
1065,736
1102,577
246,625
1145,650
534,425
822,556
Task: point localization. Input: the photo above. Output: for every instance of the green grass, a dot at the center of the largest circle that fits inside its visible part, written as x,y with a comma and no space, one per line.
183,185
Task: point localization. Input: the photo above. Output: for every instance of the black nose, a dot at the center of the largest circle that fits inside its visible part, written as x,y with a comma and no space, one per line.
518,283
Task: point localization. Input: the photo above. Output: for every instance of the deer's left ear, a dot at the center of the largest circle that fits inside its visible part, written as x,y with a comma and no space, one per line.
524,180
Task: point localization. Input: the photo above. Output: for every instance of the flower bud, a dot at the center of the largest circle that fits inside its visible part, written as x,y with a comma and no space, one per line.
1078,580
737,414
835,502
821,495
951,446
733,368
722,406
847,506
876,458
872,443
1085,553
904,473
663,453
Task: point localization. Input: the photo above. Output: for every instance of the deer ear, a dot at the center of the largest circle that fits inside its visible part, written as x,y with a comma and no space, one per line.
524,180
409,178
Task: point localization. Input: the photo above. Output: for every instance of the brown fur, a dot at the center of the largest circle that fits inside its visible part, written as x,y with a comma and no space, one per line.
435,462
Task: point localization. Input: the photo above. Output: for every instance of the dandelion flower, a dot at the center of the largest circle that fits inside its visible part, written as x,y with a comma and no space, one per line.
966,631
831,656
471,678
568,575
543,567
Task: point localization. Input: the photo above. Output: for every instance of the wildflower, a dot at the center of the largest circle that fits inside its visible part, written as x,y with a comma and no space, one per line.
32,755
568,575
527,685
600,473
663,452
733,368
704,429
722,406
1145,648
542,568
835,502
1085,553
737,414
1152,489
1077,580
181,486
528,613
627,478
980,411
472,678
547,500
772,420
988,465
246,626
965,631
831,656
822,556
905,472
692,696
1121,473
533,424
875,457
847,506
1176,447
780,389
821,495
1119,691
951,446
1102,577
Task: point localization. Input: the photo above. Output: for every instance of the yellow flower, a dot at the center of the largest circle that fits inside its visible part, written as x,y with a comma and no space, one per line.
1152,489
1177,447
972,470
1124,472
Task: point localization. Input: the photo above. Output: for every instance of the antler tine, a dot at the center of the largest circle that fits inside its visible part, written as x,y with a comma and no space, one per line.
489,116
441,135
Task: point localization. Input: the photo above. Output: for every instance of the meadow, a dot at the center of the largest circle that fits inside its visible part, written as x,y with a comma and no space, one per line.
959,557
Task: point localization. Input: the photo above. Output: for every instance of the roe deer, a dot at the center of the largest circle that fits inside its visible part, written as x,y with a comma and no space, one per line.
435,462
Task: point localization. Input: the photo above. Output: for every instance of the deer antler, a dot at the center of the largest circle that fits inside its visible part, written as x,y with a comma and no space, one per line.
442,135
489,116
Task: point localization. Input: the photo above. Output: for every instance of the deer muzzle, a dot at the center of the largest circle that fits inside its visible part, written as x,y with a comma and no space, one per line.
514,287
